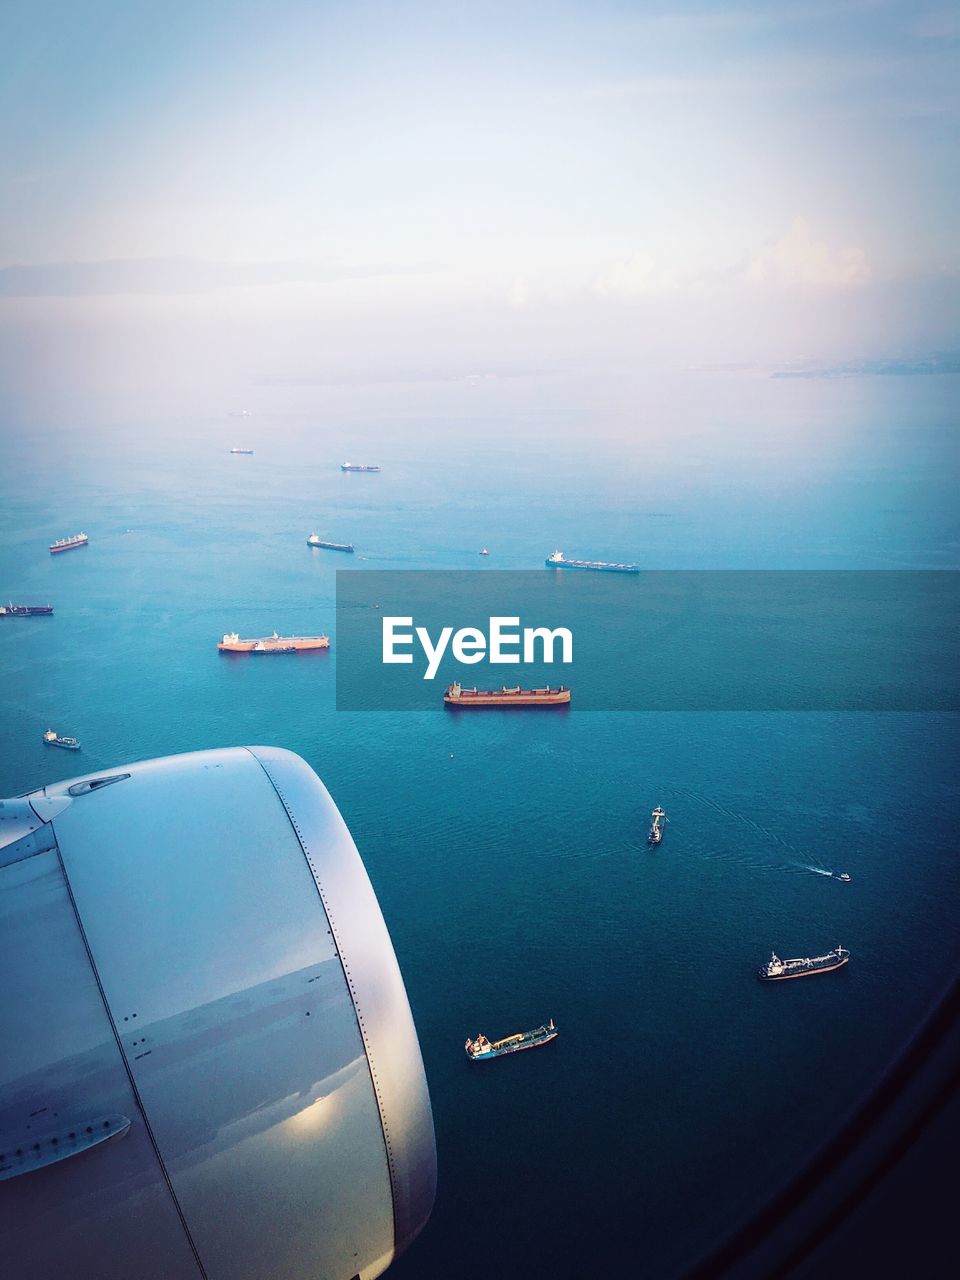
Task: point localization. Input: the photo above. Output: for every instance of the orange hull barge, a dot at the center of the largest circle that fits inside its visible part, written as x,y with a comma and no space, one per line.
232,643
457,696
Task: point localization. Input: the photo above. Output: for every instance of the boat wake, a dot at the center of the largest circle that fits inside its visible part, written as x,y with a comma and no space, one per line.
793,863
734,816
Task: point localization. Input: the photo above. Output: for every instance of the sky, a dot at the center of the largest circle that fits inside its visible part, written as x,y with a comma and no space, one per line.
199,200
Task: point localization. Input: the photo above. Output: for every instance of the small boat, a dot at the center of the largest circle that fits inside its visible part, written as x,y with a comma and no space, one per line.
484,551
12,610
247,452
358,466
53,739
316,541
656,830
777,970
844,876
68,544
480,1049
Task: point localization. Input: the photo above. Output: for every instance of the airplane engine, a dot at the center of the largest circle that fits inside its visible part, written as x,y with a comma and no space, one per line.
208,1064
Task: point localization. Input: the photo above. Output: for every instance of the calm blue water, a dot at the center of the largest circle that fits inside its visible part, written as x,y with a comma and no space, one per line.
508,851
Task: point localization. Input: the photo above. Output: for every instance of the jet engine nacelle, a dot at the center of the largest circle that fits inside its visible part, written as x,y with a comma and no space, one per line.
208,1065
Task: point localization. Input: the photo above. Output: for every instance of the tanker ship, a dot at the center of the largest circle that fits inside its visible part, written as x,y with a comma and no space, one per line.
480,1049
24,610
777,970
231,643
358,466
68,544
316,541
457,696
559,561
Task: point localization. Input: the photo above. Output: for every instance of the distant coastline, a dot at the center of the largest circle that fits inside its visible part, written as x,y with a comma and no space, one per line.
942,362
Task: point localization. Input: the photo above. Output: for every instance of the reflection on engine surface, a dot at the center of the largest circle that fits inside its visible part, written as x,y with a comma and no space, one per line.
210,1067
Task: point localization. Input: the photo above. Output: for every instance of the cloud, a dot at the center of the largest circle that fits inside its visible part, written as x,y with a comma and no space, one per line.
171,276
798,259
795,261
30,179
642,275
518,295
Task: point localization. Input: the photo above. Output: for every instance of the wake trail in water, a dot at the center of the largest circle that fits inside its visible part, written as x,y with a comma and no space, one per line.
734,816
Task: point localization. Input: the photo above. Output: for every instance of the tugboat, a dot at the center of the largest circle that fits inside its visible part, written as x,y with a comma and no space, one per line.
316,541
481,1049
358,466
559,561
656,830
457,696
68,544
12,610
53,739
777,970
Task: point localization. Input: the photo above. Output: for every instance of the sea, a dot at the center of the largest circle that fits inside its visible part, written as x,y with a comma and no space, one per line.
508,851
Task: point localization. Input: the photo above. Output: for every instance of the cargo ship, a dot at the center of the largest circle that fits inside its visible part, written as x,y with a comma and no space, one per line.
481,1049
656,826
247,452
24,610
777,970
316,541
53,739
68,544
457,696
358,466
559,561
231,643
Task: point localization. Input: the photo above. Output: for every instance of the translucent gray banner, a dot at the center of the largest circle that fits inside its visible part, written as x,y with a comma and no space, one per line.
653,641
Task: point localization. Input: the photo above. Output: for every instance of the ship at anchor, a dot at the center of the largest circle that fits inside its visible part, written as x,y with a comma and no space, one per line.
777,970
458,696
12,610
68,544
232,643
480,1049
316,541
559,561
